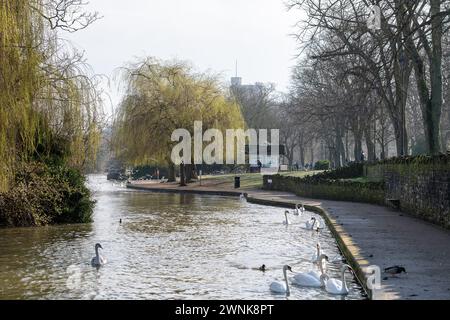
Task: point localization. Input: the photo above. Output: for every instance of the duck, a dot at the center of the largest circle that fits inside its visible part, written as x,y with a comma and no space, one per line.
98,260
286,221
262,268
336,286
282,287
395,270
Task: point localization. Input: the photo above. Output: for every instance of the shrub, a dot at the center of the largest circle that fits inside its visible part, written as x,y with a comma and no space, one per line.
43,194
322,165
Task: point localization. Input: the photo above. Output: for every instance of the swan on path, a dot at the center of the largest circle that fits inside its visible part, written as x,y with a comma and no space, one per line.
281,287
336,286
312,278
286,221
98,260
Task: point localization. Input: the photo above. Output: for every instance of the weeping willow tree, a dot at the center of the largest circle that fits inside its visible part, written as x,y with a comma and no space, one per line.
162,96
46,101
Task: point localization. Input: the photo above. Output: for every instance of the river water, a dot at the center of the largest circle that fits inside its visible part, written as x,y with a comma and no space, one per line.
168,246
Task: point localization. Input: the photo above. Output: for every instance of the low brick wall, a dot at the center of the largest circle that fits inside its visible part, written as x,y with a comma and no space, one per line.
331,190
421,185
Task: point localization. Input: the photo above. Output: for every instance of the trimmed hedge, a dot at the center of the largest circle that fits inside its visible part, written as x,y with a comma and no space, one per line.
370,192
353,170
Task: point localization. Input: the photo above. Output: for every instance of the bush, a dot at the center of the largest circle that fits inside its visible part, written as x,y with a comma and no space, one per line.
46,194
322,165
353,170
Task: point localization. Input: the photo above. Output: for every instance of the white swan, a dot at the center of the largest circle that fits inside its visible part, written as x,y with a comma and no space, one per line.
299,210
310,223
281,287
319,224
98,260
312,278
322,265
315,259
286,221
336,286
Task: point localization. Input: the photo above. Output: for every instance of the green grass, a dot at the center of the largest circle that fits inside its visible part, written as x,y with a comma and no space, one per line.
248,180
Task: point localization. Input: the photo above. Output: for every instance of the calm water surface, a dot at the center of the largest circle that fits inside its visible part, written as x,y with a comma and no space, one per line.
168,246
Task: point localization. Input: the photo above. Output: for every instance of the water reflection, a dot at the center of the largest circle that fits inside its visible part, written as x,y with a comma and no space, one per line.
168,246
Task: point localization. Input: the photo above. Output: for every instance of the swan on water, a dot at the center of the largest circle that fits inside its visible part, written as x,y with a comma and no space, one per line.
310,223
336,286
299,210
316,256
322,265
281,287
286,221
312,278
98,260
319,224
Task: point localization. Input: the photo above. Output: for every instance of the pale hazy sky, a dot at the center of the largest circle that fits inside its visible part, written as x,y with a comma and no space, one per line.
211,34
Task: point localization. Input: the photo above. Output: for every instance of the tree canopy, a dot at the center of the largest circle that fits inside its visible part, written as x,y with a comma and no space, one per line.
47,103
162,96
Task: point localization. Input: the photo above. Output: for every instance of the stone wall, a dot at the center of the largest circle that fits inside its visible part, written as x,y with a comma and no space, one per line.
421,185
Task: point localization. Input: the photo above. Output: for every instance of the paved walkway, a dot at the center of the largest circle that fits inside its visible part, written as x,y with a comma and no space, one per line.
371,235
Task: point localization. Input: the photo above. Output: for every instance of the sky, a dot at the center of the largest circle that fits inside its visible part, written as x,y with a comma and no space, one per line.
210,34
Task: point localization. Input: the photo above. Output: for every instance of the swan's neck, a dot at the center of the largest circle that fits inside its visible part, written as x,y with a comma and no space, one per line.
96,252
288,291
321,266
344,284
287,220
318,253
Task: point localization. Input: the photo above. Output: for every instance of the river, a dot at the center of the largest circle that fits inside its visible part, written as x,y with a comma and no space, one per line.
168,246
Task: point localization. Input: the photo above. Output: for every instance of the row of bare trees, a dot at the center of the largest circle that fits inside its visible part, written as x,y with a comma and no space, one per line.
377,92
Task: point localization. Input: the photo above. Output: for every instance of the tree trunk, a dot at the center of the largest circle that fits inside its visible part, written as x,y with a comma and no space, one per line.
302,156
370,144
171,177
182,175
190,173
430,98
357,151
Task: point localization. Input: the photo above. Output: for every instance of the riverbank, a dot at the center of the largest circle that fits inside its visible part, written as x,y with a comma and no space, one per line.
367,235
43,194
